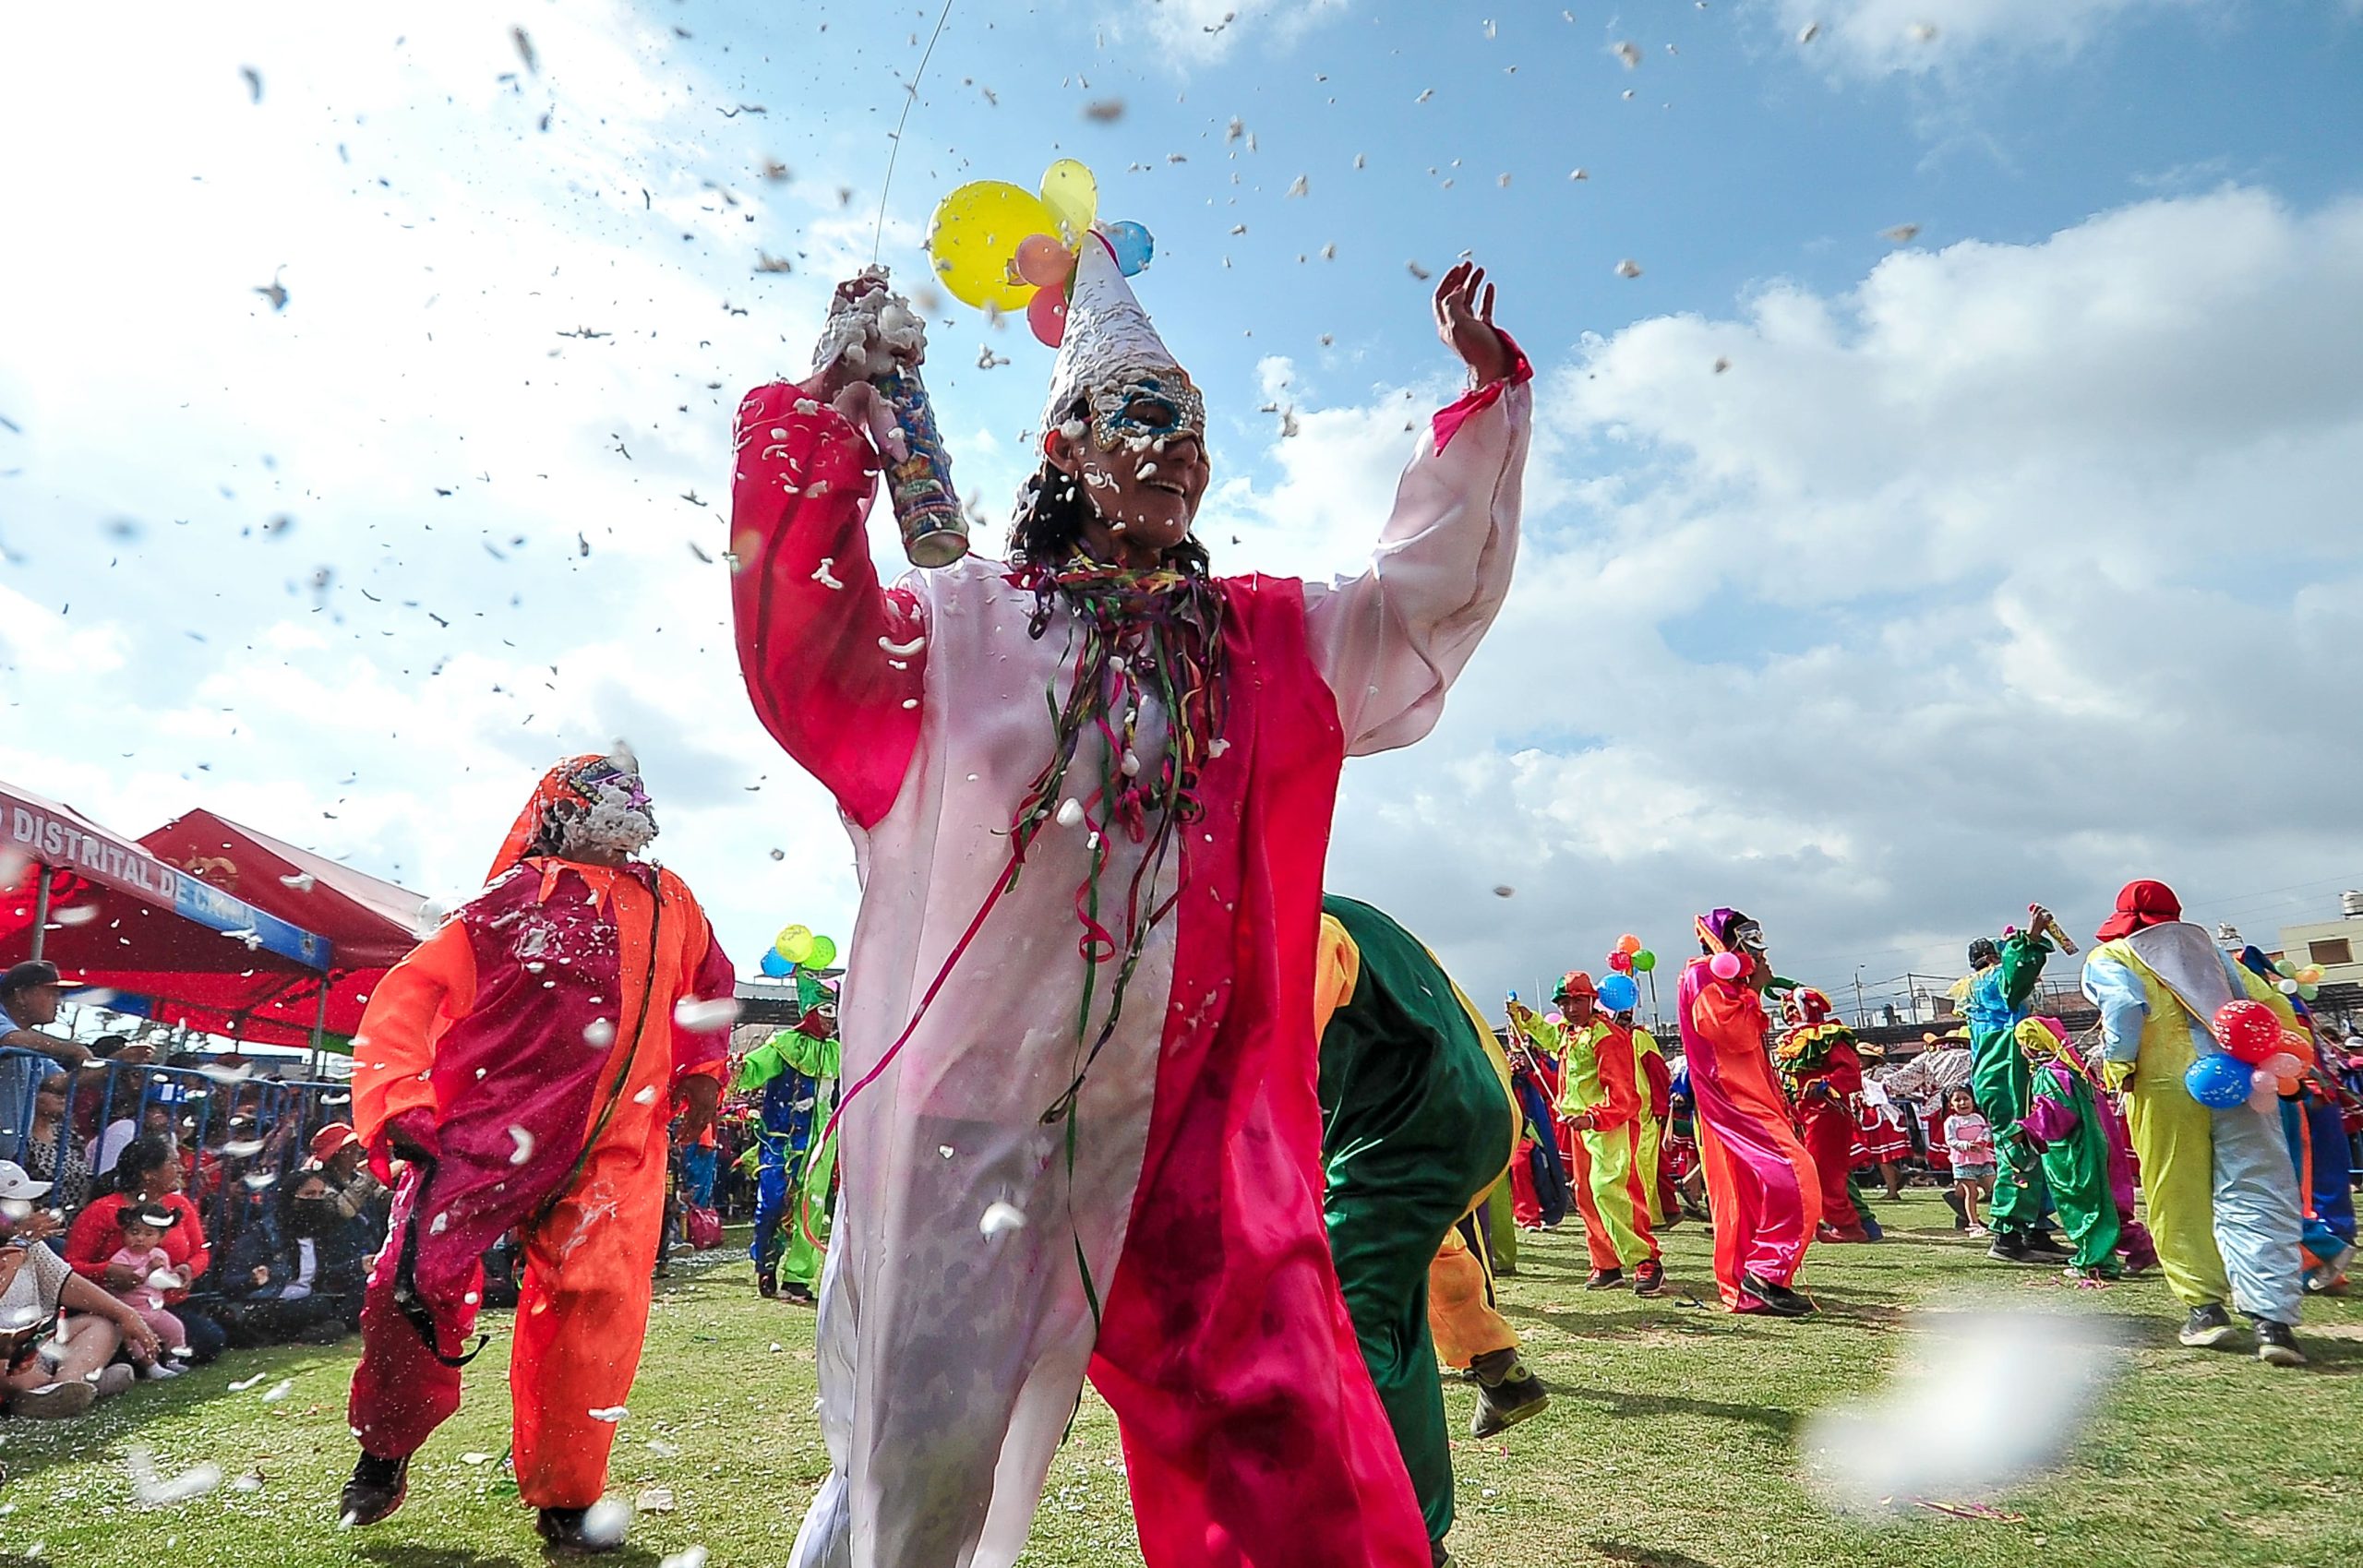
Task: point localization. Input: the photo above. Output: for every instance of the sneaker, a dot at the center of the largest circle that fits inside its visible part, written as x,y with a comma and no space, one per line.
377,1489
156,1371
1649,1279
562,1530
1503,1404
1604,1279
113,1378
2009,1249
2207,1327
2275,1346
2044,1246
1778,1300
53,1402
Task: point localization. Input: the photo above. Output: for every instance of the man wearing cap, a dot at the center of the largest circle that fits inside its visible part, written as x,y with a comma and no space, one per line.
1091,789
2002,983
1601,1100
358,1194
2223,1207
1761,1183
523,1062
29,996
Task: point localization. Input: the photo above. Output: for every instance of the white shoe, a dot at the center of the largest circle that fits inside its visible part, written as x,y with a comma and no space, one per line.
156,1371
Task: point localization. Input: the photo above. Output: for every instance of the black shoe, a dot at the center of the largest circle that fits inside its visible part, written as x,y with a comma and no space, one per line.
562,1530
2012,1248
766,1284
2277,1345
1649,1280
799,1294
1503,1404
2044,1248
2207,1327
377,1489
1779,1300
1604,1279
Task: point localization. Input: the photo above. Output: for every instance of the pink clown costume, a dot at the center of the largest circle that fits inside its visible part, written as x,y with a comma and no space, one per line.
1168,1239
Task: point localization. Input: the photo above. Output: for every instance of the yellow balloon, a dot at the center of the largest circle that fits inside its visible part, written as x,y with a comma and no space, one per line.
974,240
1073,194
793,943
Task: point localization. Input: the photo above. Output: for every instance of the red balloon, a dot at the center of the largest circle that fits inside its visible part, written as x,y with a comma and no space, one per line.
1042,260
2249,1030
1047,314
1621,961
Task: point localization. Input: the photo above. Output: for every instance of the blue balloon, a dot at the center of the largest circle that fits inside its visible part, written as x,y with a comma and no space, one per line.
2219,1081
776,966
1134,247
1619,994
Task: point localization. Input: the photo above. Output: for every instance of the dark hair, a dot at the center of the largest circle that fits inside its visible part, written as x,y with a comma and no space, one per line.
139,1158
310,1171
1983,951
1052,509
107,1045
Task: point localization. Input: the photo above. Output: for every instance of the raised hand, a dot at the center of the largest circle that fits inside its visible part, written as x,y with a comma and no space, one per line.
1464,307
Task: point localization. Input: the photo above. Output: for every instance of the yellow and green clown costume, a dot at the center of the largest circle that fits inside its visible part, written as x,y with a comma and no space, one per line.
2223,1197
1419,1125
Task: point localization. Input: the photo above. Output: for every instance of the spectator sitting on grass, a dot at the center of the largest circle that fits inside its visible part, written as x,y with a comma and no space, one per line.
149,1176
51,1366
297,1275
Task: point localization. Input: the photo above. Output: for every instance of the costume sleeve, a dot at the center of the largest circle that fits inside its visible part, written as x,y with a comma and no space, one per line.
835,664
2125,1006
2022,958
705,1053
1621,1100
393,1056
1336,968
1390,642
1844,1072
2049,1116
1728,1013
1661,1079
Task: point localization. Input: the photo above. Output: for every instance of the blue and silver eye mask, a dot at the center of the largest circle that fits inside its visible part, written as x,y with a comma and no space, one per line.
1143,409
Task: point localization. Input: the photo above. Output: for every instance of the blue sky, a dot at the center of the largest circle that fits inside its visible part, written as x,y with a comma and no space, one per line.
2005,562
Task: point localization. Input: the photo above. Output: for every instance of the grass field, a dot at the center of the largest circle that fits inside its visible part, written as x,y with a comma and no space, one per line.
1670,1441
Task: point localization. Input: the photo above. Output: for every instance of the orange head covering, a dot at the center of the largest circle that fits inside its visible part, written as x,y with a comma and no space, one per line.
573,779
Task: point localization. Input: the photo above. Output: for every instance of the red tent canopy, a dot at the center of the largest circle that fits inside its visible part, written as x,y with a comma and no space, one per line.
168,944
371,924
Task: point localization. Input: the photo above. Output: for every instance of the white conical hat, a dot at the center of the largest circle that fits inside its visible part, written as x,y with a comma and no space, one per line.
1110,338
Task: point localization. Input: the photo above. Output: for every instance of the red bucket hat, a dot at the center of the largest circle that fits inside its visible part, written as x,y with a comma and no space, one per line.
2140,905
1576,983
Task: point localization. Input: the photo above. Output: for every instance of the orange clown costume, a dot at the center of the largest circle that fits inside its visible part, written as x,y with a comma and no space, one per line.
523,1061
1603,1099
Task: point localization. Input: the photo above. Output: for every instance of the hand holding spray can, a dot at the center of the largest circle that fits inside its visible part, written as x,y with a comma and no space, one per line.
877,337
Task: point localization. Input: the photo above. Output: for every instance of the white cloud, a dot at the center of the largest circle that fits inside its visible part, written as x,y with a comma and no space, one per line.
1915,37
2004,575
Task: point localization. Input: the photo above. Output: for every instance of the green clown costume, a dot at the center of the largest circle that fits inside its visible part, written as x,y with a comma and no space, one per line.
795,1163
2063,1125
2002,1083
1418,1125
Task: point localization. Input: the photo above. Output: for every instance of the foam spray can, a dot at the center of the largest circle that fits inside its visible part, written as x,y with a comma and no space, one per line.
935,531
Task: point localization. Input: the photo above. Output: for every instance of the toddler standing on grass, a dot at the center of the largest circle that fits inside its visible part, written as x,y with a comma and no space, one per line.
142,1252
1969,1139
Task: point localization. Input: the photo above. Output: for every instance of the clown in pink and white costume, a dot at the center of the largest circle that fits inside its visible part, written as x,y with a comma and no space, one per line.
1089,774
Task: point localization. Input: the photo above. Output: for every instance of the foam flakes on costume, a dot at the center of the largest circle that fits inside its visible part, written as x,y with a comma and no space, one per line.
155,1490
705,1017
302,881
1070,812
599,1033
608,1413
525,1149
821,574
903,650
646,1097
999,1219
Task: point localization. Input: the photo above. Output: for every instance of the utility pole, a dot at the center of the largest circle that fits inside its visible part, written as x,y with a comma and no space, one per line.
1862,1020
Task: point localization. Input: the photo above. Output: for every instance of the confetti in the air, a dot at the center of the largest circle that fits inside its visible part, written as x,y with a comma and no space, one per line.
705,1017
156,1490
1628,267
1902,234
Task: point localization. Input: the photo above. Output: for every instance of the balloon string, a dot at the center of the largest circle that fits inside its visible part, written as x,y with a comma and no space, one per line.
878,233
